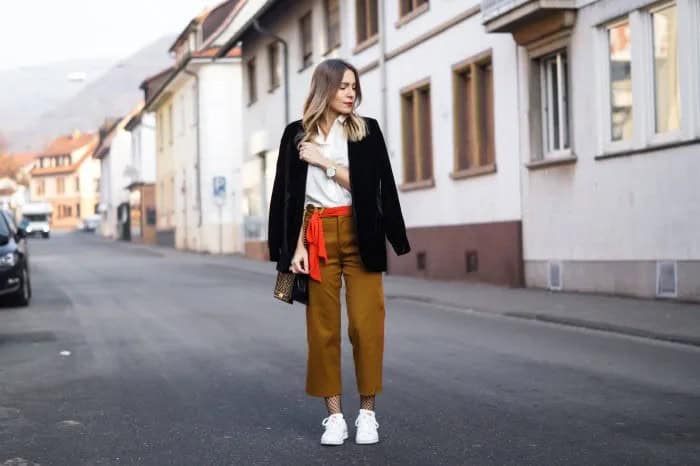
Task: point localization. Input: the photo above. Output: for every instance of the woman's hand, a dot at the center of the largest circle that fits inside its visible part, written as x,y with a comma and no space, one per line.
300,261
310,153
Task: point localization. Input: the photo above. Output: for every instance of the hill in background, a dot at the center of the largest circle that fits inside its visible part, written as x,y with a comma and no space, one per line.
114,93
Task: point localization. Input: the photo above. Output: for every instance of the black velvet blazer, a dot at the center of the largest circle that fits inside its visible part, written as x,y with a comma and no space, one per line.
376,210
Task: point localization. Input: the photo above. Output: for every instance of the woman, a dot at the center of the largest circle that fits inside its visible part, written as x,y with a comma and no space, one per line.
341,201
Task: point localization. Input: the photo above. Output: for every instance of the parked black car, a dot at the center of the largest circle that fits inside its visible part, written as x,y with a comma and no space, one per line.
14,261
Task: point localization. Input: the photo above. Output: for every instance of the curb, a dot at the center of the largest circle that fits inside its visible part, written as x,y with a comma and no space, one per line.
564,321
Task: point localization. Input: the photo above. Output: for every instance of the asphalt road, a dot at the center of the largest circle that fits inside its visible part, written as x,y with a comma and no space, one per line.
181,361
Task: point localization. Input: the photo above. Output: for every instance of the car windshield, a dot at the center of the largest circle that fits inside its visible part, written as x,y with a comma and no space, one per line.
34,218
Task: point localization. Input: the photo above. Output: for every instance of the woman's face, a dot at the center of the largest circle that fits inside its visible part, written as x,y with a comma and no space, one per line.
344,100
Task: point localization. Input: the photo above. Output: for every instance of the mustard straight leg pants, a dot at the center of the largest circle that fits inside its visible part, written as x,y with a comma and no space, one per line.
365,306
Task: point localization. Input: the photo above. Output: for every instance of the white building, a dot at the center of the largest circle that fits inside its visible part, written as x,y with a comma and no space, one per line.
444,94
198,112
141,172
114,154
609,97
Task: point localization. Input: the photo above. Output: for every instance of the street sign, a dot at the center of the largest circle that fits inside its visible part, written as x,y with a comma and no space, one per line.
219,184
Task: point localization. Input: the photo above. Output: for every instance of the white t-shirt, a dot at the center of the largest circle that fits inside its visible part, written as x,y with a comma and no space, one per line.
323,191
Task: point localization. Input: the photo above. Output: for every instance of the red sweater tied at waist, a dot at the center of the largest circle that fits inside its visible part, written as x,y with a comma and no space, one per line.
315,239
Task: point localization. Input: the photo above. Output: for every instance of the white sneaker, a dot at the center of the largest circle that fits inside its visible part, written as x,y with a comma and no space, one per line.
367,425
336,430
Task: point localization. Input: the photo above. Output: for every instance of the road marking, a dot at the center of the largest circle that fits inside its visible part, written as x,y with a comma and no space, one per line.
19,462
65,353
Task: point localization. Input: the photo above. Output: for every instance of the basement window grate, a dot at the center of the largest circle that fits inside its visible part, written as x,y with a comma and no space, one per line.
472,261
421,261
554,276
666,279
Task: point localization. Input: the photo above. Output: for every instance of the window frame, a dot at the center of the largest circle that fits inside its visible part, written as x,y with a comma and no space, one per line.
408,131
536,52
364,36
326,14
252,78
549,151
648,64
477,120
274,75
645,137
414,11
306,57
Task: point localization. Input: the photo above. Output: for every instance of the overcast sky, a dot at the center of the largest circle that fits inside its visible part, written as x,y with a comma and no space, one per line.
44,31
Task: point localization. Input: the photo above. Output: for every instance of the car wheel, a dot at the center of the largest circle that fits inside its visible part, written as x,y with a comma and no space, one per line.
24,294
45,235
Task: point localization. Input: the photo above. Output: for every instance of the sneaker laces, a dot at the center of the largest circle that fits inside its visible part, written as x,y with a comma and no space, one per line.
332,422
365,419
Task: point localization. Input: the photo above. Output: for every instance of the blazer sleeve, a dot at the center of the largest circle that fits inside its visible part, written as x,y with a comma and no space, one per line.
394,225
275,223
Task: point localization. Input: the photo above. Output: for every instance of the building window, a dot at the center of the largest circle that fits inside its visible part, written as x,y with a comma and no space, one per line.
305,33
667,112
77,210
60,185
170,124
554,106
40,188
417,134
77,184
620,65
68,210
273,59
366,20
252,87
474,114
332,13
159,130
409,6
195,109
181,115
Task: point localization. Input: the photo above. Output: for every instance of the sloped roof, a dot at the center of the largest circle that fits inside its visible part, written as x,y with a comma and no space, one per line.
67,169
24,158
219,15
196,21
67,144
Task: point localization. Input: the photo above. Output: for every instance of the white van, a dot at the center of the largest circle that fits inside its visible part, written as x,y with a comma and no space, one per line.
36,218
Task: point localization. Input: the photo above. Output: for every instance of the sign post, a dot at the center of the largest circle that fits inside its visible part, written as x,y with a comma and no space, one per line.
219,191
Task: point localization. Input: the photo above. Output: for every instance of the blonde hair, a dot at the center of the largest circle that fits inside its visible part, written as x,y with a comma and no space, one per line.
325,83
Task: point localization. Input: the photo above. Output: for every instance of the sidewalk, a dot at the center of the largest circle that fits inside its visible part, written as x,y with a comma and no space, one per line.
655,319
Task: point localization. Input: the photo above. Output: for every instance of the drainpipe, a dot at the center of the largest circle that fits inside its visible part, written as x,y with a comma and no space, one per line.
285,52
382,69
198,169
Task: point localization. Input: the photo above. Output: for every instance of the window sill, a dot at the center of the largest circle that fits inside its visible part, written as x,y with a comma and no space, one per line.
566,160
331,50
305,67
416,185
408,17
650,148
473,172
366,44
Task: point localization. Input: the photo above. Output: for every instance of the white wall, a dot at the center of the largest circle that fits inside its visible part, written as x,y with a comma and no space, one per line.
221,139
638,207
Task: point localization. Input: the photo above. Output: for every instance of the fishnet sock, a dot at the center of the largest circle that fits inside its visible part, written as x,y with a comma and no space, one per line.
333,404
367,402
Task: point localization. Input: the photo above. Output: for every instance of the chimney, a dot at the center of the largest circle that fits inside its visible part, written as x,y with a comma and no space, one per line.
76,134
